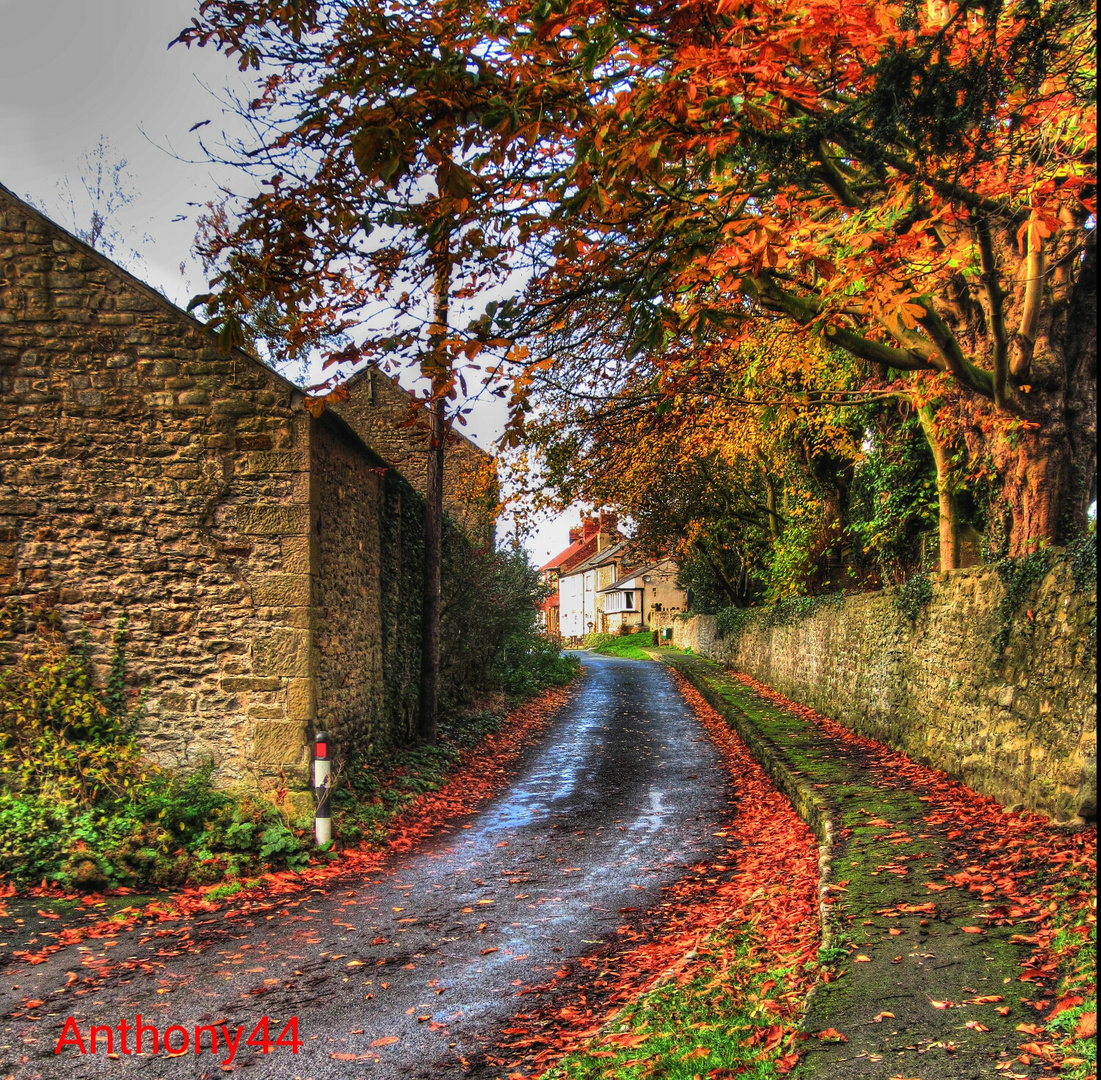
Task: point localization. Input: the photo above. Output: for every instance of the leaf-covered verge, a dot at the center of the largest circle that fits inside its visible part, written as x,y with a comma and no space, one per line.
81,806
482,771
722,1021
721,984
1031,885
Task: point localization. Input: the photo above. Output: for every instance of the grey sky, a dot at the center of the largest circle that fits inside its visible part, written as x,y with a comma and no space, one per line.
73,71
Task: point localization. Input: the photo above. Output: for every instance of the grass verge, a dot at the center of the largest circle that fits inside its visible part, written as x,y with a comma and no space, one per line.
629,646
723,1020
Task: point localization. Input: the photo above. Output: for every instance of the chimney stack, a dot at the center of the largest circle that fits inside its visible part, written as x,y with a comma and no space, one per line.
590,526
576,534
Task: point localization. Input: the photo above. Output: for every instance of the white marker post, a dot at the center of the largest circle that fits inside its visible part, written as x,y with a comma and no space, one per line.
322,776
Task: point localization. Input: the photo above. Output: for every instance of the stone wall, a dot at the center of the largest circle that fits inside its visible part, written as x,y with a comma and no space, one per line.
693,633
999,693
348,612
145,474
387,419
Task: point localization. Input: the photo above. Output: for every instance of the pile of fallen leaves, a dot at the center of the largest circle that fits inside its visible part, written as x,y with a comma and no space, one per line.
1040,878
735,943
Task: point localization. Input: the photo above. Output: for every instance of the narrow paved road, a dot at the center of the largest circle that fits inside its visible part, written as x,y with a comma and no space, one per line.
433,954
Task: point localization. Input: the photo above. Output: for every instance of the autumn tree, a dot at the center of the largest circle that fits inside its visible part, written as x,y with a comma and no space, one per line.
915,183
391,157
724,457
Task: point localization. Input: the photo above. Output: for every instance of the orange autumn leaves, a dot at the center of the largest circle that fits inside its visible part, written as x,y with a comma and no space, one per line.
770,866
1029,874
480,774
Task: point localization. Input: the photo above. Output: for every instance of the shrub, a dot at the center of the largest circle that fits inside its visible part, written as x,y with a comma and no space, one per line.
81,806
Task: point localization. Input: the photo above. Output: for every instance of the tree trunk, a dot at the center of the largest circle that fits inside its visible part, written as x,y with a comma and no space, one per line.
433,510
773,517
949,522
1047,465
728,587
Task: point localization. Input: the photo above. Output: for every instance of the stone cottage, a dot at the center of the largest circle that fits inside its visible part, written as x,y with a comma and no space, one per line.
263,558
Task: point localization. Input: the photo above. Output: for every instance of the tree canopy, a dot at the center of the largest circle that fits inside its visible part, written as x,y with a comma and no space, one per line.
915,183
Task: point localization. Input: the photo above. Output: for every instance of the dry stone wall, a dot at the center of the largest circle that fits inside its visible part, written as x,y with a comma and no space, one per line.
998,690
268,564
349,603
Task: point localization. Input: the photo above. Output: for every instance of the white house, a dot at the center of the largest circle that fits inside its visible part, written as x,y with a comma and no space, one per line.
580,592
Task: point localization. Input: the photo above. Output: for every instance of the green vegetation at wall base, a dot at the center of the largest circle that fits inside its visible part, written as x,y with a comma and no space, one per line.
81,807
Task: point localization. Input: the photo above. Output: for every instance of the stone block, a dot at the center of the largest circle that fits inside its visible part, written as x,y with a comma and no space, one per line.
301,702
232,684
274,520
263,462
282,652
279,742
260,711
299,554
177,701
281,590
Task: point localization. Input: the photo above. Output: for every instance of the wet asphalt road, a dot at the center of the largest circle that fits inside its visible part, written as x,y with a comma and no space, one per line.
619,797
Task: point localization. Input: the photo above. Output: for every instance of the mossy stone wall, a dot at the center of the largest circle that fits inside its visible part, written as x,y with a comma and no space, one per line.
991,676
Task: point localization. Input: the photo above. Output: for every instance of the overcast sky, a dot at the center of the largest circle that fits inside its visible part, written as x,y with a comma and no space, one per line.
75,73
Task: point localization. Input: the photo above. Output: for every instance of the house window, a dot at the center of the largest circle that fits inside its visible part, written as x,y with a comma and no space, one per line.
629,599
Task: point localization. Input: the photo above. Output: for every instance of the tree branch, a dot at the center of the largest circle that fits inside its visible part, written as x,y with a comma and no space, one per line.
804,310
835,180
995,295
1030,311
973,377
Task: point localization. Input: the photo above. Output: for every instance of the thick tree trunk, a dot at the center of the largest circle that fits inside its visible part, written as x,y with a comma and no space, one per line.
433,511
1047,466
948,518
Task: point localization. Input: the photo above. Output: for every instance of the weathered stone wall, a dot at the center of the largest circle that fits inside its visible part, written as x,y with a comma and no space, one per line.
695,633
348,626
380,412
145,474
1002,696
